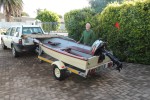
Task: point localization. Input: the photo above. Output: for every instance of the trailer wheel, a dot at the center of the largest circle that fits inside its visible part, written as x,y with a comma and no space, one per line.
40,61
59,74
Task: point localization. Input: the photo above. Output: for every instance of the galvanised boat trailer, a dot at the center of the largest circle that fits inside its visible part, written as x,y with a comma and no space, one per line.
65,55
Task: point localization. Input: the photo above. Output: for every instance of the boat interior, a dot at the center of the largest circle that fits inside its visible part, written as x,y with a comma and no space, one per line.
69,46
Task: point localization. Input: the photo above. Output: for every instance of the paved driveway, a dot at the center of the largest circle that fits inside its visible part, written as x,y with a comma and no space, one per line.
24,78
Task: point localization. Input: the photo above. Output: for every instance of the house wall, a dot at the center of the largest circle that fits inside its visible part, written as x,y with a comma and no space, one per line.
9,24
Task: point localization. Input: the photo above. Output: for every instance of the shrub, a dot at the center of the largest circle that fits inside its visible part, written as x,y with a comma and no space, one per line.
75,21
132,41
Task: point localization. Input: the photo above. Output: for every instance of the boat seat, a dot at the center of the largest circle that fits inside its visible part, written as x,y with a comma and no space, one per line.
80,49
69,51
53,43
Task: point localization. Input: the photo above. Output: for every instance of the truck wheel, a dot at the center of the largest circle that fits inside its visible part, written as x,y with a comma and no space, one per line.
14,52
3,45
59,74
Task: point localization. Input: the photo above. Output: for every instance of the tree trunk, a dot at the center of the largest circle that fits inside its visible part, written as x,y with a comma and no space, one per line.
8,17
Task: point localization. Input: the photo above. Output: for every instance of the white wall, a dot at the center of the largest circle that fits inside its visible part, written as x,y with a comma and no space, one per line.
9,24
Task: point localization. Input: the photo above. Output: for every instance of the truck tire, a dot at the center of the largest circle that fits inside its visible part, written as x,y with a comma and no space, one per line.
14,52
3,45
59,74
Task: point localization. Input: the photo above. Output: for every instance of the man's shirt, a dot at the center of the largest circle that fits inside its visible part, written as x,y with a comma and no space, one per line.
87,37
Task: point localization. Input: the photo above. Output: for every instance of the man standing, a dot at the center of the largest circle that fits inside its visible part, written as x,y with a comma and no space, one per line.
87,36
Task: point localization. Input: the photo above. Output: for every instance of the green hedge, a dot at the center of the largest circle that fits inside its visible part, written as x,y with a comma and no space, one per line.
75,21
132,42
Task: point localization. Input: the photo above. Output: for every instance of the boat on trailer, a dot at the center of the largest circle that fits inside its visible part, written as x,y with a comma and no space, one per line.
66,56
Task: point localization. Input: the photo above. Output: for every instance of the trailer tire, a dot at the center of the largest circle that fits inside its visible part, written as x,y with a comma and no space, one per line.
40,61
59,74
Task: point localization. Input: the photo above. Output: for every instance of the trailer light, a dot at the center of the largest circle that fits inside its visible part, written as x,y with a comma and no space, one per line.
110,64
20,41
62,66
93,71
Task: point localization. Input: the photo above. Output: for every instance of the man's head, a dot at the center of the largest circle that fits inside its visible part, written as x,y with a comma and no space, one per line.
88,26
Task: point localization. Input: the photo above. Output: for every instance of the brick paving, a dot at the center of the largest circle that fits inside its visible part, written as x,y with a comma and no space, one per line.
24,78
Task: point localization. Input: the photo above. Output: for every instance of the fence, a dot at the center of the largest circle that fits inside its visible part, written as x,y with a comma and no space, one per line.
48,27
53,27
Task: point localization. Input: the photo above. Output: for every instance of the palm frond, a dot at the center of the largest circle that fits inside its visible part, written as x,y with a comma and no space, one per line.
11,7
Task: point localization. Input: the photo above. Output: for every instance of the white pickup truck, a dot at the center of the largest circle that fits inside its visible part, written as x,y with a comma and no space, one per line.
13,38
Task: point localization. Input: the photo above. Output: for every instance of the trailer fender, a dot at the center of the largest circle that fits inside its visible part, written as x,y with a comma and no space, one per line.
59,64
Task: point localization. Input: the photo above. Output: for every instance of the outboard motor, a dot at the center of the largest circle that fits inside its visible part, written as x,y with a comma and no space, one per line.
98,49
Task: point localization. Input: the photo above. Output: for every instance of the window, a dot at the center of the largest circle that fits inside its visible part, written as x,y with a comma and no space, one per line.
13,31
32,30
17,31
8,31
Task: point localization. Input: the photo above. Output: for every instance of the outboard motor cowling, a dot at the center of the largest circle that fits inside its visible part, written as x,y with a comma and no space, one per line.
97,44
96,51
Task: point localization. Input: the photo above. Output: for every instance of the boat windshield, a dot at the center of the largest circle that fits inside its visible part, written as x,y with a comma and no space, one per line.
32,30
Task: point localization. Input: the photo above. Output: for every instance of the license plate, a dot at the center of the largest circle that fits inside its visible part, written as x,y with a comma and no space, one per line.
102,67
26,41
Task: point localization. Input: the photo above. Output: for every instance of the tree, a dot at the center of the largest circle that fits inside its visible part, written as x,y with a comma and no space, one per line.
60,16
98,5
24,14
11,7
50,20
19,14
38,11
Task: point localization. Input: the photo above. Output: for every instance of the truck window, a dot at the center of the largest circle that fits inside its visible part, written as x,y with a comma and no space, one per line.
13,31
8,31
32,30
17,31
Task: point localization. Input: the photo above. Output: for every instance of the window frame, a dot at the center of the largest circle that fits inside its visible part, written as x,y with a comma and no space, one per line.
8,33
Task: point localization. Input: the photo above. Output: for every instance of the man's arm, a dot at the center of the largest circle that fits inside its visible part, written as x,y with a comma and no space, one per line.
93,38
81,39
